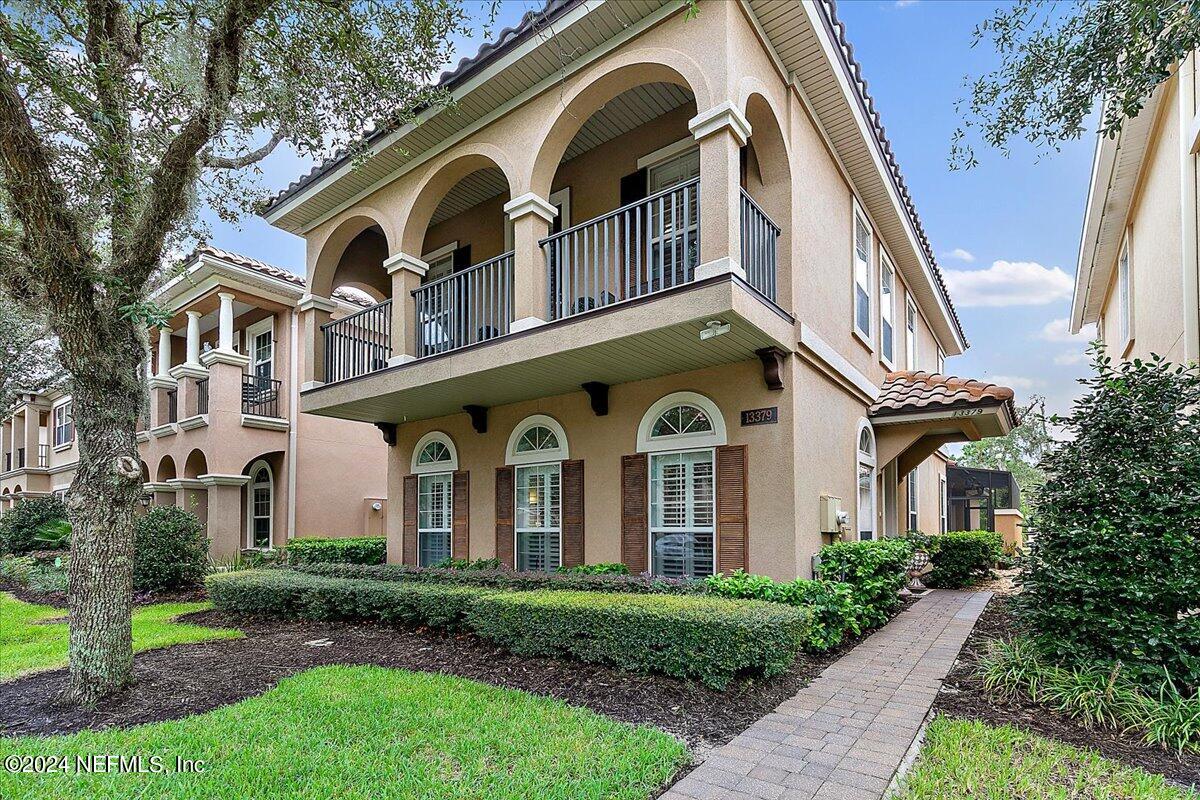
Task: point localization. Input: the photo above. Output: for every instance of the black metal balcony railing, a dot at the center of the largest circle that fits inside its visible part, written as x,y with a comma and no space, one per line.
260,396
43,456
465,307
759,237
359,343
636,250
202,396
172,405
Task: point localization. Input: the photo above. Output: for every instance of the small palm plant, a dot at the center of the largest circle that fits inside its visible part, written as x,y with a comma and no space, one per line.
54,535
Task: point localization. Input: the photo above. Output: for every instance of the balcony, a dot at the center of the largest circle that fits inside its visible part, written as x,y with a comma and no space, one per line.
260,396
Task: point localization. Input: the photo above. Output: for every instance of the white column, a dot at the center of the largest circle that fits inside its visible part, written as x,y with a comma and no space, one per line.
225,326
193,338
164,353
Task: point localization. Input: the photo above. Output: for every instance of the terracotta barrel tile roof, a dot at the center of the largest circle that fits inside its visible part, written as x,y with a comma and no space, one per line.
926,391
270,270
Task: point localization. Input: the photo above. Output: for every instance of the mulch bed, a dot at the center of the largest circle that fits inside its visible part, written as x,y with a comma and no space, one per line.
190,679
963,696
59,599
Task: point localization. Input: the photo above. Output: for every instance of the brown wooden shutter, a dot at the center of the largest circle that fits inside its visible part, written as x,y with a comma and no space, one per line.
461,533
572,513
635,529
733,545
504,516
409,545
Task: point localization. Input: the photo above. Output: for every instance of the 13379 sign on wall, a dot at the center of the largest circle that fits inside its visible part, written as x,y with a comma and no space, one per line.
760,416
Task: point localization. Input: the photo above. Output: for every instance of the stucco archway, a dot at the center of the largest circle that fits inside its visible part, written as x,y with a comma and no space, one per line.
767,179
353,254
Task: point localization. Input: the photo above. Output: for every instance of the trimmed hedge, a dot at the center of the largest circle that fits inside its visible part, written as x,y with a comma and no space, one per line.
345,550
836,612
961,558
286,593
877,569
170,550
707,638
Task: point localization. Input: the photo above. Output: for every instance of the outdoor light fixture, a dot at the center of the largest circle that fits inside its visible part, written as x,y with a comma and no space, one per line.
714,327
145,499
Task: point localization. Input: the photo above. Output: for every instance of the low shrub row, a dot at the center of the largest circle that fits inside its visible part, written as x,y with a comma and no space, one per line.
345,550
705,638
961,558
21,525
835,610
1095,695
876,569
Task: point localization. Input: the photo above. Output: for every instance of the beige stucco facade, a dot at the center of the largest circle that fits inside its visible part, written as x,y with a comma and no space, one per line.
1138,270
38,457
587,154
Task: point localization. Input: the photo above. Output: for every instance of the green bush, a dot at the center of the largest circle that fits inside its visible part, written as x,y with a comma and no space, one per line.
876,569
465,563
961,558
834,607
42,576
286,593
170,550
345,550
709,639
20,525
1114,562
596,569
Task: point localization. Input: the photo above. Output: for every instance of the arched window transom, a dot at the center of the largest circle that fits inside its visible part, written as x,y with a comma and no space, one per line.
537,439
434,452
679,421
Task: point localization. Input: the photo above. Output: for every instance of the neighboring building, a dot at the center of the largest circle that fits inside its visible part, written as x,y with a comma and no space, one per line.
653,292
223,436
37,448
980,499
1138,266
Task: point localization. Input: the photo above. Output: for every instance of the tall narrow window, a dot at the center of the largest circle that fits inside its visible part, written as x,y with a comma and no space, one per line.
866,481
262,349
261,502
862,277
942,501
910,335
537,448
435,494
682,514
914,494
1124,316
64,425
887,310
941,360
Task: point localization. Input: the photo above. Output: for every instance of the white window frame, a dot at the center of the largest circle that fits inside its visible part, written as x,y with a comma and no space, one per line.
941,360
864,459
910,334
666,153
651,529
913,499
687,441
434,256
561,453
560,199
887,309
1124,289
253,332
945,500
857,266
250,486
448,531
548,529
438,466
65,408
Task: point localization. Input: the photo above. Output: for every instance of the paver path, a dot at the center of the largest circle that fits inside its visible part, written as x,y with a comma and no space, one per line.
845,734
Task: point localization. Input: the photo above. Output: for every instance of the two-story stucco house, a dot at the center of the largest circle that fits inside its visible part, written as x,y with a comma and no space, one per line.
223,436
1139,261
653,291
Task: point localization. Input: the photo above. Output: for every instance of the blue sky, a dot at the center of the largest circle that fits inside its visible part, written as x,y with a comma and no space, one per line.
1018,218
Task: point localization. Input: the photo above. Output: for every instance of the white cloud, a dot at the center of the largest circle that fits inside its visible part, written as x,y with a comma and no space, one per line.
1009,283
1016,381
905,3
1059,330
1070,359
960,255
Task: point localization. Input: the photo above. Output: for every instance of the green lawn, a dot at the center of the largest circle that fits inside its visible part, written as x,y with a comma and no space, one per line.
963,759
28,643
371,732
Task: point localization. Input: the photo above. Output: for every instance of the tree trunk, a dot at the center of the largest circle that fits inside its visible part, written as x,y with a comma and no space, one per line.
104,358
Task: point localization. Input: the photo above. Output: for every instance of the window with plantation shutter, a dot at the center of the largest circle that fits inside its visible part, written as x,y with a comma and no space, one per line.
434,515
682,513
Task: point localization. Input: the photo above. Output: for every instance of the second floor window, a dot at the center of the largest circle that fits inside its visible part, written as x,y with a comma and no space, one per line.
862,276
887,311
1124,317
910,336
64,425
914,493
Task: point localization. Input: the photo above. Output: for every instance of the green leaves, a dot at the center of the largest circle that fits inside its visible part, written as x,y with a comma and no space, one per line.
345,550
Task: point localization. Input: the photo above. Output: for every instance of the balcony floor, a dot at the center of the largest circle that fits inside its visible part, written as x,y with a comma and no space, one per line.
645,338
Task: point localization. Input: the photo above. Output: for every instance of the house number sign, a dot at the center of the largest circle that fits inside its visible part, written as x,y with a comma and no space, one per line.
760,416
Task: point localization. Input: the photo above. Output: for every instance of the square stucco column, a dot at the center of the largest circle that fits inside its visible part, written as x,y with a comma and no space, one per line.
32,435
721,131
531,216
225,534
407,272
314,312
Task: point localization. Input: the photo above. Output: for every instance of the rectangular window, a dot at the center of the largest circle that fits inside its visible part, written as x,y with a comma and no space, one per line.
1124,316
910,335
887,310
261,523
64,425
435,495
942,501
866,501
262,351
539,509
682,514
914,493
862,277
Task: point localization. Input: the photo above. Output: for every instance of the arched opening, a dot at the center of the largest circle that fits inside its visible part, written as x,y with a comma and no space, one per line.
537,447
434,460
145,471
622,170
867,479
681,432
195,465
352,256
766,212
459,228
166,470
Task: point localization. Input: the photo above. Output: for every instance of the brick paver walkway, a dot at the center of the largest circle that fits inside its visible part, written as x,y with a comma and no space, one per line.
844,735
